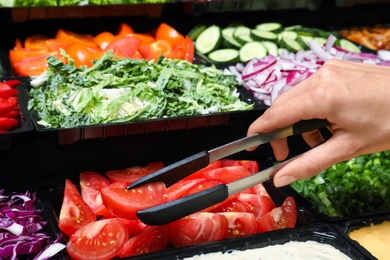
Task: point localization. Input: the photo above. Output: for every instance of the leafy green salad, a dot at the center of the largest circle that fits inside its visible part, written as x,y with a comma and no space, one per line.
122,90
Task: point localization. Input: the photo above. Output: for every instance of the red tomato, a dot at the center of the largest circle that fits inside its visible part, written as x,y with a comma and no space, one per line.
99,240
257,204
281,217
154,50
197,228
203,185
143,37
183,51
36,42
12,82
103,39
251,166
33,66
227,174
131,174
124,29
168,33
233,205
81,54
152,239
199,174
16,55
91,184
125,47
75,213
240,224
125,203
180,188
71,37
133,226
55,45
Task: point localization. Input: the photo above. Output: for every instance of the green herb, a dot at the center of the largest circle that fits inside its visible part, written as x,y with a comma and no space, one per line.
360,185
119,90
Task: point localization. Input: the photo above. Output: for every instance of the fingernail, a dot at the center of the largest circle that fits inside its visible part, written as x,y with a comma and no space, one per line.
283,181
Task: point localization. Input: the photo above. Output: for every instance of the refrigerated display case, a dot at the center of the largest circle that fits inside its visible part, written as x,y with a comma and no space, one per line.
40,159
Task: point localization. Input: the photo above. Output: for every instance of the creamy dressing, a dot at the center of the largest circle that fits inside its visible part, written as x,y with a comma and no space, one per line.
291,250
375,238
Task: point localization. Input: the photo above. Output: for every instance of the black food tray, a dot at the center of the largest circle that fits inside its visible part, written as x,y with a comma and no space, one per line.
25,120
64,136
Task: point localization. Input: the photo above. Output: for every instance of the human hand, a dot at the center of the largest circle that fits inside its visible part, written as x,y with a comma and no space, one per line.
353,97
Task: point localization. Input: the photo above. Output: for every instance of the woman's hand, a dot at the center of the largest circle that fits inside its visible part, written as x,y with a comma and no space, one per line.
353,97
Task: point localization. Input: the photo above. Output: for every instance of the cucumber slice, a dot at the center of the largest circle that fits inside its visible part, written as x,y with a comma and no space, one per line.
272,48
228,39
224,56
292,27
194,33
288,34
242,34
209,40
270,27
290,44
259,35
252,50
349,46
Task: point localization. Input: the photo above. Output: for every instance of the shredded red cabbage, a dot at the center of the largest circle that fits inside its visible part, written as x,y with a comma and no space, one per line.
21,229
269,77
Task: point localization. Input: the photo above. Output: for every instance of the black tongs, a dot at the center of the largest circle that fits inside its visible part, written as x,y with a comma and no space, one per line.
174,210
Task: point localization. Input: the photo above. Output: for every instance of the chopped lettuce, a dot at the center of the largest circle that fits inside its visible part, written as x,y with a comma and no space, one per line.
122,90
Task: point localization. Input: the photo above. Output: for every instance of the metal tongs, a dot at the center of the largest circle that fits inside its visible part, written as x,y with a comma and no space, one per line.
174,210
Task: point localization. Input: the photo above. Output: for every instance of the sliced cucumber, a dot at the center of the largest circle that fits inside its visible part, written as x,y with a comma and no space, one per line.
288,34
259,35
292,27
306,39
242,34
194,33
321,41
228,39
349,46
304,42
252,50
224,56
270,27
272,48
209,39
290,44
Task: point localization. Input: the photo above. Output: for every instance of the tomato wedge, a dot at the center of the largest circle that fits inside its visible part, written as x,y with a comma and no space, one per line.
152,239
36,42
168,33
103,39
124,29
281,217
154,50
233,205
183,51
75,213
125,203
197,228
199,174
125,47
179,189
81,54
91,184
227,174
71,37
257,204
99,240
33,66
240,224
131,174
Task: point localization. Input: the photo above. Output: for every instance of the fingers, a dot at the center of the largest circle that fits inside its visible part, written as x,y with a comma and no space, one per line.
313,138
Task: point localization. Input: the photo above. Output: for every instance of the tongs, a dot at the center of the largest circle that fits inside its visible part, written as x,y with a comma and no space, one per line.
176,209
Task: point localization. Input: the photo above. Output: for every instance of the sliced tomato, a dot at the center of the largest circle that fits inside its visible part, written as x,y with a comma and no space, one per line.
99,240
199,174
33,66
259,189
152,239
125,47
133,226
250,165
257,204
103,39
72,37
227,174
75,213
179,189
81,54
12,82
183,51
197,228
168,33
16,55
143,37
124,29
203,185
154,50
233,205
36,42
125,203
91,184
55,44
240,224
281,217
131,174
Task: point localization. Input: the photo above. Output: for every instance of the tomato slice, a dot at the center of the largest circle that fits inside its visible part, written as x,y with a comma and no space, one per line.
16,55
179,189
125,203
103,39
125,47
131,174
36,42
91,184
199,174
240,224
154,50
99,240
250,165
33,66
197,228
81,54
133,226
55,45
227,174
71,37
257,204
233,205
75,213
168,33
183,51
124,29
143,37
281,217
152,239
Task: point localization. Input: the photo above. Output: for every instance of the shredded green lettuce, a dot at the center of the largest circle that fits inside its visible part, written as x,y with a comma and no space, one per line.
123,90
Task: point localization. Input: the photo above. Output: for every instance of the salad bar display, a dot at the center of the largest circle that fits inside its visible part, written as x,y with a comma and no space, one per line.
90,104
